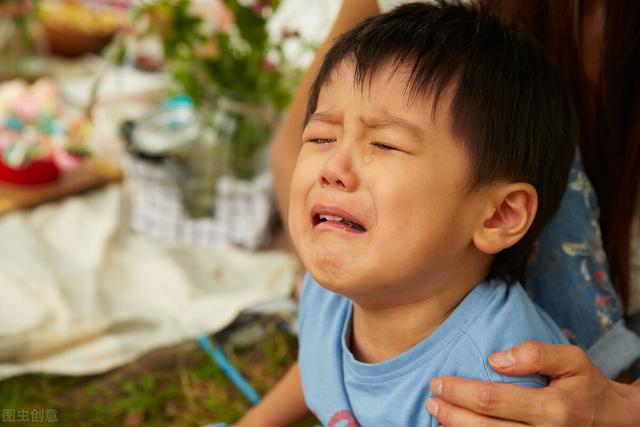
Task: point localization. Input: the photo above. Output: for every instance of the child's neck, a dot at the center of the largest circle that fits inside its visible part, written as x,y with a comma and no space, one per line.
382,333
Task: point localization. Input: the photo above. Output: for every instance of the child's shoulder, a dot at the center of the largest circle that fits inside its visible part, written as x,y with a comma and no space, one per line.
505,318
509,317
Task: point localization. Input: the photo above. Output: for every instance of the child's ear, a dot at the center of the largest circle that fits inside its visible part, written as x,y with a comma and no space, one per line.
510,213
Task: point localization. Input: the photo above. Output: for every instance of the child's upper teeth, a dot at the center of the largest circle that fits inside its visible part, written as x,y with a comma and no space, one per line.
330,217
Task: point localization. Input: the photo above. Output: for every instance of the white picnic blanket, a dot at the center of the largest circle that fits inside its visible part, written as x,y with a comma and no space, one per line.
81,294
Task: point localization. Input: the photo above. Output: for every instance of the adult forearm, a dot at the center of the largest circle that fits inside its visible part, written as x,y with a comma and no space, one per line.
282,406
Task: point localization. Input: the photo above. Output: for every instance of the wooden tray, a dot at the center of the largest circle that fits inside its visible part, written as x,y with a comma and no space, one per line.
93,173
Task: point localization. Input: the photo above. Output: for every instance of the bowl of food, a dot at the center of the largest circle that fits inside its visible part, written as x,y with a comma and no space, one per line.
34,173
74,28
40,136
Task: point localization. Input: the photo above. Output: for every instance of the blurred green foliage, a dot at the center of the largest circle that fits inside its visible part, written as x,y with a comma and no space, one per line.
240,63
232,60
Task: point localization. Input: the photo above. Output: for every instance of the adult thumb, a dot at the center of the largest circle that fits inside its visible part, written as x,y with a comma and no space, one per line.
553,360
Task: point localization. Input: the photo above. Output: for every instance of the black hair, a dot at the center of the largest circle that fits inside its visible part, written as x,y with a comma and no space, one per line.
510,106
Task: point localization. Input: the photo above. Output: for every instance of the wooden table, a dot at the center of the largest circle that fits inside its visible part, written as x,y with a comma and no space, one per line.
91,174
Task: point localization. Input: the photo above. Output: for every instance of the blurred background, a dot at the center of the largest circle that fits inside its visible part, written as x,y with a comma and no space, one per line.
144,278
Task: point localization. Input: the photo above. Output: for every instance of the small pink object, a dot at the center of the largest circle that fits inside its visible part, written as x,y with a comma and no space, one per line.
215,14
569,334
288,33
65,160
603,301
267,65
26,109
259,8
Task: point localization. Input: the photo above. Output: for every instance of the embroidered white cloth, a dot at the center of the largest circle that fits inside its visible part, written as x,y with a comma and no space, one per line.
81,294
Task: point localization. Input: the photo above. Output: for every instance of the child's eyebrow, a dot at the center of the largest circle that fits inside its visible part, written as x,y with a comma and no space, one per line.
393,121
371,122
326,116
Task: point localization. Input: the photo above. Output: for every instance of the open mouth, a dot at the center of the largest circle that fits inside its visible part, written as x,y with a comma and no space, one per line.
320,218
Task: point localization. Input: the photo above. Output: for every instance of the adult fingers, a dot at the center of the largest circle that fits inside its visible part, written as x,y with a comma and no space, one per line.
453,416
497,400
553,360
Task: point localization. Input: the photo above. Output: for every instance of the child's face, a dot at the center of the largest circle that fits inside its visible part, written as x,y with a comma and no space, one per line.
399,176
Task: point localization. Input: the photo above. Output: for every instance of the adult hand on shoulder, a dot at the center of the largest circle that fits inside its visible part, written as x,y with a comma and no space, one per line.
578,394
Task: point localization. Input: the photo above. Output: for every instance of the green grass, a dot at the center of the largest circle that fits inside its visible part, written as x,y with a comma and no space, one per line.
177,386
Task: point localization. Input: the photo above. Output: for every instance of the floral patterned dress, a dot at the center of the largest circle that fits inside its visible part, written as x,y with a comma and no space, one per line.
568,277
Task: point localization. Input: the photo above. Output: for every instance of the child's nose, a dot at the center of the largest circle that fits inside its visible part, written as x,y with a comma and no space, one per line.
338,172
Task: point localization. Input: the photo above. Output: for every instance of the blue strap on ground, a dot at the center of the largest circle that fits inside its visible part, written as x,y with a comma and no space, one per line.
218,356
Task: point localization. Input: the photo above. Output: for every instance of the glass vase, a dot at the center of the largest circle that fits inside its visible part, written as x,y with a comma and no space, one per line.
232,143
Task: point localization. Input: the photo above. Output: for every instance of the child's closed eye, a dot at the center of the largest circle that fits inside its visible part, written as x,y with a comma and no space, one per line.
320,140
383,147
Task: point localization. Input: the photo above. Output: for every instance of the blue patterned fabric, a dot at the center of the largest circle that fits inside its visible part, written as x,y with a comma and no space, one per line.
568,277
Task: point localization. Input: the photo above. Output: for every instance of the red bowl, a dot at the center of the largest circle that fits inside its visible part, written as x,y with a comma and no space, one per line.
36,172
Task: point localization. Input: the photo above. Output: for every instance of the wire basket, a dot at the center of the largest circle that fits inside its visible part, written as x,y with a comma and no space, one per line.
243,216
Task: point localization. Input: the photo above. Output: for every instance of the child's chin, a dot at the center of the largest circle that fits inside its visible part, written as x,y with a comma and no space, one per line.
338,282
326,265
336,288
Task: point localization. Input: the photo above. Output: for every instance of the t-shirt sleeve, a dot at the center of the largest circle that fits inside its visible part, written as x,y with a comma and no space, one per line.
468,361
531,381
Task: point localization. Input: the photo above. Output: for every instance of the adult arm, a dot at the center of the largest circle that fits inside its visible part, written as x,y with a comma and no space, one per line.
578,394
282,406
288,139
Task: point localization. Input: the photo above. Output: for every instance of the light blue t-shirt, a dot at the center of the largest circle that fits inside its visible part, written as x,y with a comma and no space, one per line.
343,392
